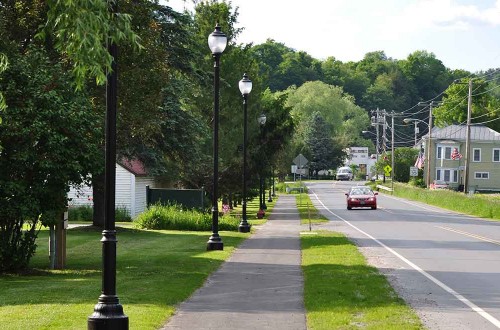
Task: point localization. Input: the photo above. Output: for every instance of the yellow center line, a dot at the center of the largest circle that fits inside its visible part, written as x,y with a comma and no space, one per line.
482,238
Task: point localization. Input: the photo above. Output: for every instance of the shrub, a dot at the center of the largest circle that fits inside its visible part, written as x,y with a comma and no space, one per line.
85,213
80,213
122,214
173,217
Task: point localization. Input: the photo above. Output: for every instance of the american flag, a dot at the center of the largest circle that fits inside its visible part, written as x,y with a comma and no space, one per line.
455,154
419,163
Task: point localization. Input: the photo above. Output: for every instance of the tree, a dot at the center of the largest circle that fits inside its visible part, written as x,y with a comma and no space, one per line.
324,153
80,30
428,75
485,106
49,140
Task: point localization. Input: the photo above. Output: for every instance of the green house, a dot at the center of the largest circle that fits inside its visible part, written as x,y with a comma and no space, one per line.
448,157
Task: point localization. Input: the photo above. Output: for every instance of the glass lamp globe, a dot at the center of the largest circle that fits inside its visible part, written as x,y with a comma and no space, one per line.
245,85
217,41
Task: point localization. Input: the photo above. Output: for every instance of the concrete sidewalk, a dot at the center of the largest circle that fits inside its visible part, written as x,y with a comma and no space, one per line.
259,287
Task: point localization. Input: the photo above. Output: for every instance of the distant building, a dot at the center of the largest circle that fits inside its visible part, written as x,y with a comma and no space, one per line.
360,157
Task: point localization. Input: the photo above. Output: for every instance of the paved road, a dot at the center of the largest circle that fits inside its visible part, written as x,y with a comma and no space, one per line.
446,265
259,287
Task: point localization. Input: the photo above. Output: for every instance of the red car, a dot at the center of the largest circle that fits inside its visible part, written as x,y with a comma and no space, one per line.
361,197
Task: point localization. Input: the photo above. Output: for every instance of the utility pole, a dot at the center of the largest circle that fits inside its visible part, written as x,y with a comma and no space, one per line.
384,127
375,122
429,147
416,131
467,140
392,153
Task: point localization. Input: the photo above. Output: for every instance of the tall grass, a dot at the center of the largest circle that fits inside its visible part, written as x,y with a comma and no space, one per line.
485,206
173,217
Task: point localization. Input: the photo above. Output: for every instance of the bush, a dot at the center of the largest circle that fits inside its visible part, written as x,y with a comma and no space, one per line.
173,217
86,212
122,214
80,213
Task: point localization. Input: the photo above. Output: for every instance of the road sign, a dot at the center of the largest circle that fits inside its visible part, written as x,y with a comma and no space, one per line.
300,161
413,171
387,170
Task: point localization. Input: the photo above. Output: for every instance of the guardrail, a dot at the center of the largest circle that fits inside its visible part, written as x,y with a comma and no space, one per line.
379,186
290,190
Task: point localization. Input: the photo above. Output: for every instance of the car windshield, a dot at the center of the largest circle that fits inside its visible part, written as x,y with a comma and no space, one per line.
361,191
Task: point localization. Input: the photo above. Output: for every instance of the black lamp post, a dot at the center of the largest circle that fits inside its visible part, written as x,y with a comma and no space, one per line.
270,198
245,89
108,313
262,121
217,42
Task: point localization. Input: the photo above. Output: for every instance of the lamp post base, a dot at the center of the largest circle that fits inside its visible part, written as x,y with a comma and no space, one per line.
215,243
107,316
244,227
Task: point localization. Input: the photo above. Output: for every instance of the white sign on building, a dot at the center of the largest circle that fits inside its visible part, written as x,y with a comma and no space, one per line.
358,155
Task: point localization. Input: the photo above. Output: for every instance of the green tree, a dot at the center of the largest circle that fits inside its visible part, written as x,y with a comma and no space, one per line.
485,105
428,75
323,153
80,30
49,140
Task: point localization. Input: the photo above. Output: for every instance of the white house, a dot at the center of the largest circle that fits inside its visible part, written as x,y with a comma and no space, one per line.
359,156
131,182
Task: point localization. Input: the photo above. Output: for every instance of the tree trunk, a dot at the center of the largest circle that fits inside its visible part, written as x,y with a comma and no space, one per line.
98,197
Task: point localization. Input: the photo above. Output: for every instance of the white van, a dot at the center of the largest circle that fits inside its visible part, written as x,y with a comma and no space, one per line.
344,173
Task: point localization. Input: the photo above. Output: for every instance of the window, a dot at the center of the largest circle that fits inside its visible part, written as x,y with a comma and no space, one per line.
482,175
447,152
447,175
476,155
443,152
496,155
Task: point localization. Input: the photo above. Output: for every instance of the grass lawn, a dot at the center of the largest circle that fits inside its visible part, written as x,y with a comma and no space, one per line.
252,208
342,292
155,271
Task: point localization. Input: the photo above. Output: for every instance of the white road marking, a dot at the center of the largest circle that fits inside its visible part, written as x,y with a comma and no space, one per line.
482,238
457,295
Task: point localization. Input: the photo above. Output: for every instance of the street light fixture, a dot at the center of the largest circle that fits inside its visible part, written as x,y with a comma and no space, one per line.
245,85
108,312
217,42
415,121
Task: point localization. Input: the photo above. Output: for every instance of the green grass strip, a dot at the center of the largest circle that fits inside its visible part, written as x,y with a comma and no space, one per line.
156,270
308,213
343,292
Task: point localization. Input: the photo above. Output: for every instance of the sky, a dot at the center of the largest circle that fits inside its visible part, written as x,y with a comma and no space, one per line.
463,34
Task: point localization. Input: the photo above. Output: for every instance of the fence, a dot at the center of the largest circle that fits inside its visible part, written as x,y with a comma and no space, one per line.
189,198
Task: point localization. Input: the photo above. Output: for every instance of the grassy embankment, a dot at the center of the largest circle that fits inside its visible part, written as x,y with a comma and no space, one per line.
480,205
341,291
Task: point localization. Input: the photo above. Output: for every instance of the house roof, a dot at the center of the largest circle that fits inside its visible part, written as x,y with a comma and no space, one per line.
458,132
134,166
